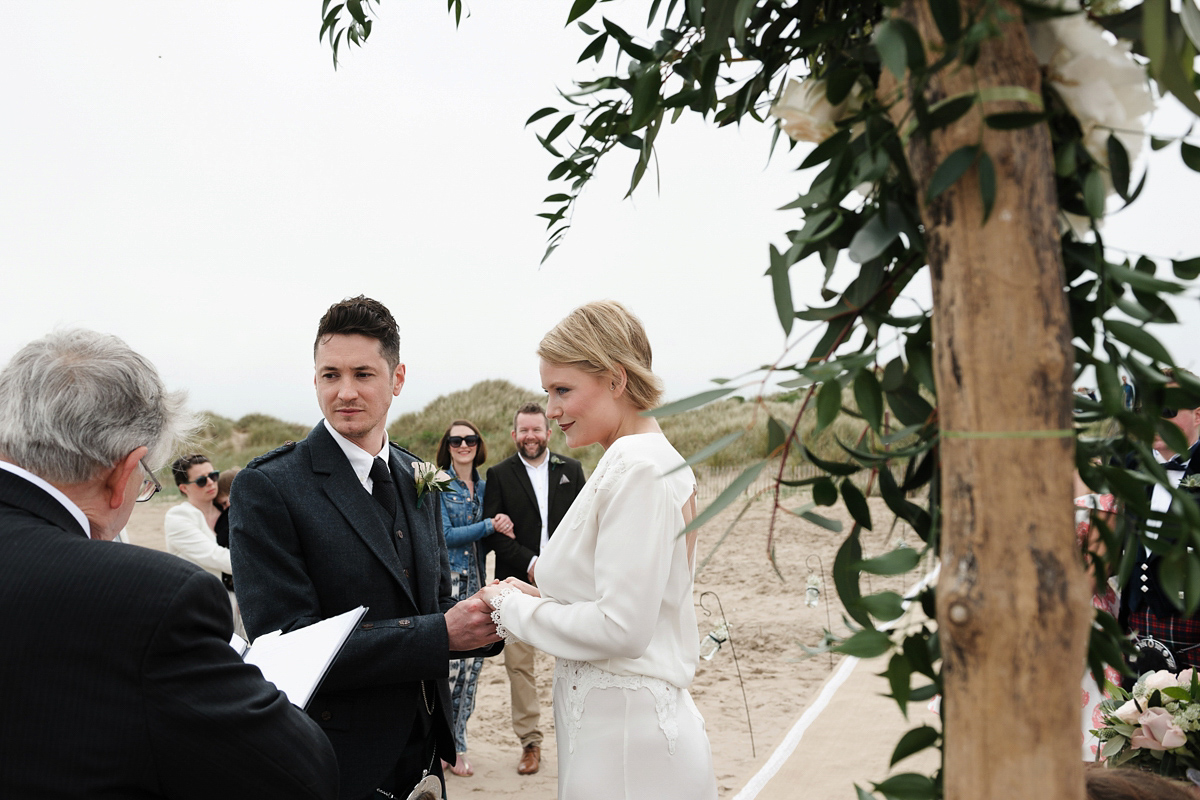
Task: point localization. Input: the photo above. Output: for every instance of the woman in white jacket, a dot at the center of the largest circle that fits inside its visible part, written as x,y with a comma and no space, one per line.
190,526
614,596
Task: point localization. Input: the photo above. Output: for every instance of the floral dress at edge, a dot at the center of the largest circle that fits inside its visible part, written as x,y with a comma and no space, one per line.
1092,694
463,526
616,611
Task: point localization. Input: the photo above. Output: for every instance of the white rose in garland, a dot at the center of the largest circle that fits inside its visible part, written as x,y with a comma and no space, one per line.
1098,79
806,115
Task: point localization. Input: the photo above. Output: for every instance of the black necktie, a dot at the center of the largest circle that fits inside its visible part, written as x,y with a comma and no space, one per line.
382,488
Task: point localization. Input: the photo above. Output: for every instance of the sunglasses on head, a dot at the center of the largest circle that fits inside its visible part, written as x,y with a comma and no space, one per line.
203,480
458,441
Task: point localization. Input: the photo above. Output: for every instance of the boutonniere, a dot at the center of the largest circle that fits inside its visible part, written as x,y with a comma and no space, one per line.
428,478
556,461
1190,482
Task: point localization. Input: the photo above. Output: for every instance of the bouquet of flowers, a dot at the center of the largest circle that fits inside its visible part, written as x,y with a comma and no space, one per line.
1152,727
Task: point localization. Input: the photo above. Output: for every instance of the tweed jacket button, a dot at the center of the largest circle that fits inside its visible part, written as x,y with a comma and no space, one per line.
406,573
366,626
404,623
326,716
400,534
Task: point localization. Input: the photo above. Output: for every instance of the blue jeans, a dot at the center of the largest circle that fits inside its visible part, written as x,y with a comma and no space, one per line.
464,673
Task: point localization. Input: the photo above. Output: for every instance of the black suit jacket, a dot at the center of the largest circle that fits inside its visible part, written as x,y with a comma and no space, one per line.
308,543
117,679
510,492
1146,568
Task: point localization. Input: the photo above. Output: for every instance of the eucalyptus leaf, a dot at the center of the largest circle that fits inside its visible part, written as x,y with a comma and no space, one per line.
869,398
914,741
1014,120
688,403
856,504
1139,339
1189,152
824,493
897,562
728,495
987,184
1093,194
1118,166
950,170
781,288
868,643
889,42
776,435
829,404
710,450
884,606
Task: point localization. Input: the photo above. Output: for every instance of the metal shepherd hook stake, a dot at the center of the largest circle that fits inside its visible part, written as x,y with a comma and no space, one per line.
729,638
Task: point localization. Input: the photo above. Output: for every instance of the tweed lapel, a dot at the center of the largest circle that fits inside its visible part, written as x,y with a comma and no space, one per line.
351,499
16,491
420,528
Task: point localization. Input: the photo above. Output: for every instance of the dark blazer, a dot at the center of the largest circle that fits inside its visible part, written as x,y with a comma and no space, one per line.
117,679
510,492
308,542
1146,567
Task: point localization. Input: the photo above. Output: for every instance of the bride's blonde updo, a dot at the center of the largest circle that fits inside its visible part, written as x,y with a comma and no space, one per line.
600,337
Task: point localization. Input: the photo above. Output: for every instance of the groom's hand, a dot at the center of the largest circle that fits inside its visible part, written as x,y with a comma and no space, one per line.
469,625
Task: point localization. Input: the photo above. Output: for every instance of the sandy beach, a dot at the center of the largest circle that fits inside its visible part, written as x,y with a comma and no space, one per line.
769,622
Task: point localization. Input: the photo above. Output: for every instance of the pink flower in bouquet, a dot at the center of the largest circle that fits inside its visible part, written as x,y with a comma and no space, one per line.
1162,679
1158,731
1128,713
1185,678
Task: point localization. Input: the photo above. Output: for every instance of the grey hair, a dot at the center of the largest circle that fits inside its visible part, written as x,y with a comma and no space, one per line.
77,401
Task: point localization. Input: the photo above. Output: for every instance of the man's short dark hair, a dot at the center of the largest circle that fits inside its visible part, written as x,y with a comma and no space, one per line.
365,317
531,408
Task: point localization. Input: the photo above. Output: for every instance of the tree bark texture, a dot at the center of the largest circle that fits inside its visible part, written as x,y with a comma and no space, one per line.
1013,599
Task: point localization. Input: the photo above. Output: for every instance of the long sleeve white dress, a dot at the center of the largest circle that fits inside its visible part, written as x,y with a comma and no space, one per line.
616,611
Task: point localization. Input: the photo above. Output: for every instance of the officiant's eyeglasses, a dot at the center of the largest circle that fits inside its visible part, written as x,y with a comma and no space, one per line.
203,480
457,441
150,485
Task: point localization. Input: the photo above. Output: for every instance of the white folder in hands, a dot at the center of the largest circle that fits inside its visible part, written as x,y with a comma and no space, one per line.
297,661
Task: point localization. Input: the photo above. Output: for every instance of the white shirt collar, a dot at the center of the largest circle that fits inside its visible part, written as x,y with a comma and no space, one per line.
544,465
360,460
53,491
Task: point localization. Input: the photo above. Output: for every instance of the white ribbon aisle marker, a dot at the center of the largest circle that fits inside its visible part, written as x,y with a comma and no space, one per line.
792,740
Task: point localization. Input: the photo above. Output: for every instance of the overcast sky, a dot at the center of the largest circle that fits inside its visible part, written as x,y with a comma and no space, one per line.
196,178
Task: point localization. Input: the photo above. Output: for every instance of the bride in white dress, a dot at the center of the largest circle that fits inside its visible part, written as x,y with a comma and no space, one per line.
613,601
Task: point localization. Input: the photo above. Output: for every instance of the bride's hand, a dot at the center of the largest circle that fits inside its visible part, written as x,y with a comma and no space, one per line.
527,588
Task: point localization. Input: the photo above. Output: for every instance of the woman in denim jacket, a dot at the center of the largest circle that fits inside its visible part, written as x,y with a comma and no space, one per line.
460,453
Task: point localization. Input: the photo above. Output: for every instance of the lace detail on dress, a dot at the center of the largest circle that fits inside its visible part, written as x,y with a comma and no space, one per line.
583,676
498,601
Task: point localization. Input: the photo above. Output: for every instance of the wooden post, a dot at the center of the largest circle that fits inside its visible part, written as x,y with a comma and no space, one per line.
1013,599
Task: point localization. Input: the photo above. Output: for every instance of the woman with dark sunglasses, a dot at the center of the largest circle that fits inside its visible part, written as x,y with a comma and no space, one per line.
191,526
460,454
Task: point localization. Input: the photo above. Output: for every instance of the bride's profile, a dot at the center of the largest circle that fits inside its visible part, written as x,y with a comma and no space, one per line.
613,601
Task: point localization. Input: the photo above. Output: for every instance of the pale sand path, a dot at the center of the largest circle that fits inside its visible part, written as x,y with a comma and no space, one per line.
853,738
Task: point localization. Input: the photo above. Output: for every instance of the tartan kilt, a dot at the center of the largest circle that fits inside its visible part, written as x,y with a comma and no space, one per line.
1180,634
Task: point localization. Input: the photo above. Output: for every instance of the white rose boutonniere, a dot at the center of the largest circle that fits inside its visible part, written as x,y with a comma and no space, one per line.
429,478
1190,482
555,461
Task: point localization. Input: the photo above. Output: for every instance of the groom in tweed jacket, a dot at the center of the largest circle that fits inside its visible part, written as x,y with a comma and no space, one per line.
334,522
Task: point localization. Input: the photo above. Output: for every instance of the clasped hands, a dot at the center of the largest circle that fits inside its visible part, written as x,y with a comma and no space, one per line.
469,623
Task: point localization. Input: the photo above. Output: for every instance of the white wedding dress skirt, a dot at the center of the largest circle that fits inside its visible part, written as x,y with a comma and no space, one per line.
624,737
